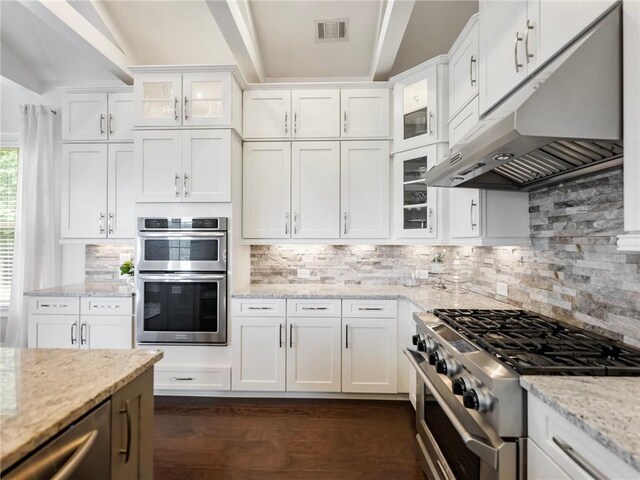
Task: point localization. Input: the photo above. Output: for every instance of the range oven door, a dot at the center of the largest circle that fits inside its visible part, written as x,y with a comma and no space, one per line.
452,444
181,308
182,251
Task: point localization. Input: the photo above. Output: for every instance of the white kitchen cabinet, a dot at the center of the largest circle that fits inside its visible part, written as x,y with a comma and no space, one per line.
406,329
267,114
463,68
105,331
364,201
206,99
365,113
417,212
315,190
369,355
97,116
121,220
158,99
183,165
316,113
540,466
259,353
53,331
488,217
314,355
267,190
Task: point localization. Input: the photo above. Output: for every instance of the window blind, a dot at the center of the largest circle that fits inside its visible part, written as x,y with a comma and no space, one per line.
8,192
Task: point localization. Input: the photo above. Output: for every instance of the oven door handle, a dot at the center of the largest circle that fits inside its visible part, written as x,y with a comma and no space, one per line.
172,233
477,445
189,277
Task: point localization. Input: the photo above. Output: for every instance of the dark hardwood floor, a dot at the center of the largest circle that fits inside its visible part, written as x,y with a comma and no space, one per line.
281,439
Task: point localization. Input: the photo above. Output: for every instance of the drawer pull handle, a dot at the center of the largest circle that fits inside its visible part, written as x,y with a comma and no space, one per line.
53,305
105,306
260,308
579,460
314,308
280,335
181,379
374,309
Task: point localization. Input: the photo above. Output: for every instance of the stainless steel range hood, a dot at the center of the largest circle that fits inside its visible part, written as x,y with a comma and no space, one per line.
563,120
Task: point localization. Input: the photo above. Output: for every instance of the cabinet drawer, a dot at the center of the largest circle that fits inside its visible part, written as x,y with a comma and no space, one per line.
314,308
463,123
259,307
54,305
106,306
573,450
192,378
370,308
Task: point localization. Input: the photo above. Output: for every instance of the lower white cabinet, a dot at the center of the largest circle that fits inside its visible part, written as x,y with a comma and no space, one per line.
106,328
540,466
369,355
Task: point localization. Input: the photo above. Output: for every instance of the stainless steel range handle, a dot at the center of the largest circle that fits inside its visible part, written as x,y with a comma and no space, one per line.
578,459
473,204
101,124
528,56
74,461
444,472
515,52
186,111
101,222
182,235
180,277
472,60
477,445
126,451
176,181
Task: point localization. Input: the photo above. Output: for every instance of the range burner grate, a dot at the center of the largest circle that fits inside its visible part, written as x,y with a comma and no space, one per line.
532,344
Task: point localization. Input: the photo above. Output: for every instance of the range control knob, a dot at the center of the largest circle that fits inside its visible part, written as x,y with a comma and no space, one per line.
478,399
448,367
462,384
430,345
434,357
416,338
418,341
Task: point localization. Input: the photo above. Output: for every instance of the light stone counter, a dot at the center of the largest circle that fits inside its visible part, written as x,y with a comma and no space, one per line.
603,407
423,297
87,289
44,390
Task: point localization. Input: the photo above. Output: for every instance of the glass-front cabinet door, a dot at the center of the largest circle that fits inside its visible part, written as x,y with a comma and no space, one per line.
416,215
206,98
158,99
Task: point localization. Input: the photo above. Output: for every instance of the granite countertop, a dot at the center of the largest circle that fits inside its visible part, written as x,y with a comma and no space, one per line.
86,289
44,390
602,407
423,297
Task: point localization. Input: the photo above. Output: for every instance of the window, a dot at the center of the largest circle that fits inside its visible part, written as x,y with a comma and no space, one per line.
8,192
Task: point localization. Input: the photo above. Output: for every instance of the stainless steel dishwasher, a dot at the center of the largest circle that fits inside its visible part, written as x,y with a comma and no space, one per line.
81,451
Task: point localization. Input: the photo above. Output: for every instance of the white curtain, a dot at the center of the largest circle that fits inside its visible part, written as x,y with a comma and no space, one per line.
36,249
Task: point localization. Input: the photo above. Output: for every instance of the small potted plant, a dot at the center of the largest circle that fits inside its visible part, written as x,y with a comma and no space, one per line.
127,270
437,262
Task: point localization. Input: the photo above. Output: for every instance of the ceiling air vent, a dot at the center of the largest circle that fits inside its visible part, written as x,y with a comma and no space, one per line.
331,30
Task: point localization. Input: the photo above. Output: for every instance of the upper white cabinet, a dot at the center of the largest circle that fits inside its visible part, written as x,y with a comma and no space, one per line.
97,116
463,68
97,191
267,113
316,113
364,195
365,112
183,165
183,97
419,105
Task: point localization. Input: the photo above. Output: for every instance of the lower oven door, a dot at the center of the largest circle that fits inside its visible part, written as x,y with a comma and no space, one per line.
452,446
181,308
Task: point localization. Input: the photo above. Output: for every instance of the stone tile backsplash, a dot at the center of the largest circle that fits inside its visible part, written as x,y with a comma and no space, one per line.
102,262
572,270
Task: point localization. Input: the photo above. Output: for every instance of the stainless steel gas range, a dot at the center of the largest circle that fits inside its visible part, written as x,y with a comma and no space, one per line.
471,411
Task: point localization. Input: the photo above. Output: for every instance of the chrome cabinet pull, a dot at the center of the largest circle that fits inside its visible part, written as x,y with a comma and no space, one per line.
110,124
291,335
175,108
345,122
346,336
101,222
370,309
473,204
286,224
472,60
295,123
184,185
430,122
176,179
295,223
515,52
127,451
314,308
578,459
182,379
527,54
102,124
94,307
345,223
74,333
430,220
186,112
280,335
53,305
260,308
286,122
83,333
110,223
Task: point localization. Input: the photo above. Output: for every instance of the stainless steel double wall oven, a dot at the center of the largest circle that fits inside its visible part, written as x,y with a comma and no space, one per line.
181,281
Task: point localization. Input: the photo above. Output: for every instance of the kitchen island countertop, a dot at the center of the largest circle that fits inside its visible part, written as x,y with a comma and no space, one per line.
45,390
86,289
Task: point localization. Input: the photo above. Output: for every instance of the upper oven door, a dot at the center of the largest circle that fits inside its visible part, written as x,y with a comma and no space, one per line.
182,251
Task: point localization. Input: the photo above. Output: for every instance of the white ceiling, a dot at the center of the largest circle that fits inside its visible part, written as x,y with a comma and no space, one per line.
286,38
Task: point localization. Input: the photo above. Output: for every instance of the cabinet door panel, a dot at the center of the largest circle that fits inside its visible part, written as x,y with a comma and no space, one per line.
267,114
206,165
206,98
365,113
106,331
313,357
121,221
315,201
53,331
369,355
316,113
158,166
463,72
258,353
267,190
464,212
158,99
84,191
365,189
120,116
540,466
84,116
